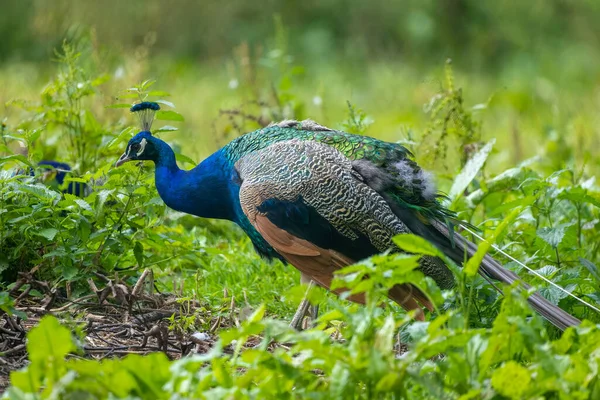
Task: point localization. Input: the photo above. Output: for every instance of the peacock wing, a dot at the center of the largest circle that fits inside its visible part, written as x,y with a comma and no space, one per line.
312,207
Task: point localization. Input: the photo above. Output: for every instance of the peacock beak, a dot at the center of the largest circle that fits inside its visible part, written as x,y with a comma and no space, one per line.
122,160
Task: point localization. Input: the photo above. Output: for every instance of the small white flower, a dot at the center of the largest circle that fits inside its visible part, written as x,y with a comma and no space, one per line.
233,84
317,100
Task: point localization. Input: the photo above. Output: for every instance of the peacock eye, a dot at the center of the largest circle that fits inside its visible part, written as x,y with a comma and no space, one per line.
135,148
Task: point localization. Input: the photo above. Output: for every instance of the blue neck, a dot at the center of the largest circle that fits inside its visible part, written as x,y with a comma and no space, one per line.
203,191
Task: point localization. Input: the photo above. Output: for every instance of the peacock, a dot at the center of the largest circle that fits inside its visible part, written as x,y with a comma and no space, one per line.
54,174
321,199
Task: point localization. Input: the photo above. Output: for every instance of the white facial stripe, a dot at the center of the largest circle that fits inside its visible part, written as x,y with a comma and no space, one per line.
142,147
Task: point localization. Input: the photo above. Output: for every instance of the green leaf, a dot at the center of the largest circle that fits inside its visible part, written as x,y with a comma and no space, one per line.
123,136
49,342
415,244
159,93
169,115
507,206
547,271
166,103
384,339
138,253
166,128
552,236
590,267
185,159
147,83
511,380
3,263
470,170
258,314
16,157
554,294
48,233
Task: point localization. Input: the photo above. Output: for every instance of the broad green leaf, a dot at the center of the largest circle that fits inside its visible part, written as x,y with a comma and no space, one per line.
83,204
169,115
49,342
547,271
48,233
470,170
554,294
552,236
415,244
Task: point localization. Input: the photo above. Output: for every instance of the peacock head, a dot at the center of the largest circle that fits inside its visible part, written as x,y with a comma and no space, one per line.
143,145
140,147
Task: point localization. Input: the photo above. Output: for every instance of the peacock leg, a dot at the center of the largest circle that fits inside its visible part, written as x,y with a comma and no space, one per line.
298,321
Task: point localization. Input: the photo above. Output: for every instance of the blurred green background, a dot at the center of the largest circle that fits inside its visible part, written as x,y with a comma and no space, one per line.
531,68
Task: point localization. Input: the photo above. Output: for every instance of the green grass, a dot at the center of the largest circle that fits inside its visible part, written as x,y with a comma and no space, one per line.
476,345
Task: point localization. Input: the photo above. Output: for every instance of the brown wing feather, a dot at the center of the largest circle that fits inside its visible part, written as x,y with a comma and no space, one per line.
320,264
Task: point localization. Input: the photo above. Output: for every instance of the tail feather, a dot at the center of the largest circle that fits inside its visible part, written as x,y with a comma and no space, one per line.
491,268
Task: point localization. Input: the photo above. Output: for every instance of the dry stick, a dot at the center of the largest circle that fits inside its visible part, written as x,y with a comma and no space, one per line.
16,326
23,280
92,285
140,283
49,300
153,316
231,307
73,302
15,349
8,331
216,325
23,295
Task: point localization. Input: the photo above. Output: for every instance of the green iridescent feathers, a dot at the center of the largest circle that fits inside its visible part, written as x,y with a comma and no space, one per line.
387,167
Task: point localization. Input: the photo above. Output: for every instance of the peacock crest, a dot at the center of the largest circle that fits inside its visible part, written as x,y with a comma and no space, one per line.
145,112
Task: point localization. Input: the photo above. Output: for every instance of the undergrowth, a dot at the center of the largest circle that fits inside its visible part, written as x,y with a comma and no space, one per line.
476,345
